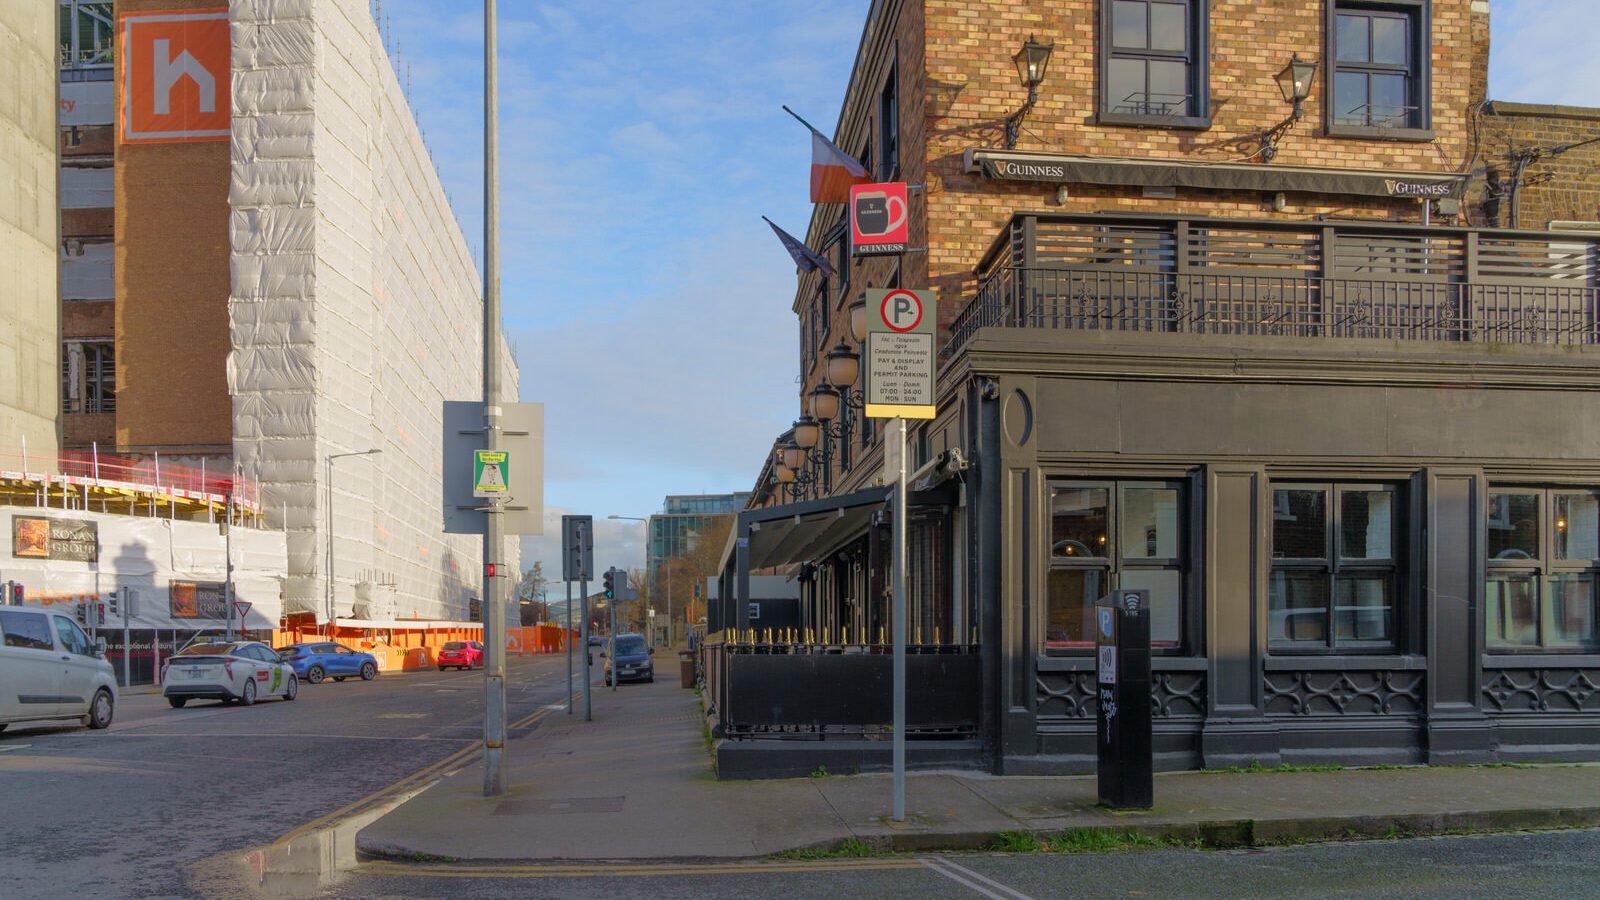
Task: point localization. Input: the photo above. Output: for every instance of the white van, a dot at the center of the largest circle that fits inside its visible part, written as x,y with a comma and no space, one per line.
50,671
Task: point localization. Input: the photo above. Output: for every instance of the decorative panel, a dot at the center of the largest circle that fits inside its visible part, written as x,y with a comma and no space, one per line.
1071,695
1553,690
1340,693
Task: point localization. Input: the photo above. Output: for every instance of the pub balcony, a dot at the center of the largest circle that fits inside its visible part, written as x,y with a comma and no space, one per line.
1318,280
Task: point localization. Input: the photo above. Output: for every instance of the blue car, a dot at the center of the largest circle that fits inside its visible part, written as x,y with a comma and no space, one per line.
314,662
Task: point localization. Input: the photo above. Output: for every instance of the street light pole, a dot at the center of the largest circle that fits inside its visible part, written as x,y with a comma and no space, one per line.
494,618
328,477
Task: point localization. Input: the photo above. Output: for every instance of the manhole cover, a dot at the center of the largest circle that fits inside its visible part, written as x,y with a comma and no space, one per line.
540,806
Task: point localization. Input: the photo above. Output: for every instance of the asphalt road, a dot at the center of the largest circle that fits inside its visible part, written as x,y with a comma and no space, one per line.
167,802
1546,865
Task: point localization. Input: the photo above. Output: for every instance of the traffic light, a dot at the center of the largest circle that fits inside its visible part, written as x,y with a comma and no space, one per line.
83,614
115,611
13,594
100,613
611,583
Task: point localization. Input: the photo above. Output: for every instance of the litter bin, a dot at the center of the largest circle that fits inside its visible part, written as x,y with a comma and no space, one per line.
686,668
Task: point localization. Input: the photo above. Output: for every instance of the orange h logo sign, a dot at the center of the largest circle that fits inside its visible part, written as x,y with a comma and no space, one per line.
175,76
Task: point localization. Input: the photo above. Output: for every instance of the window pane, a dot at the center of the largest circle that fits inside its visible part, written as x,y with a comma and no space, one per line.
1078,523
1127,24
1299,607
1069,618
1363,609
1149,523
1389,101
1169,88
1125,85
1570,616
1388,40
1511,611
1513,526
1351,38
1166,601
1350,98
1299,524
1366,529
1168,26
1577,526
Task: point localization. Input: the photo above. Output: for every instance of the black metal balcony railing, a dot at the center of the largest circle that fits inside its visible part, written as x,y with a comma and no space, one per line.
1307,281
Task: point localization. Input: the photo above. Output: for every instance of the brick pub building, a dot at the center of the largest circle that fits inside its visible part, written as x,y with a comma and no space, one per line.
1292,373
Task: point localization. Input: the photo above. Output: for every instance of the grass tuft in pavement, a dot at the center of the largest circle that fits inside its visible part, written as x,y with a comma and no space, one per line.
845,849
819,772
1015,842
1102,840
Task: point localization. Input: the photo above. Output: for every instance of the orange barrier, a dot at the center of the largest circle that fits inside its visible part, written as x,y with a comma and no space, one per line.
535,639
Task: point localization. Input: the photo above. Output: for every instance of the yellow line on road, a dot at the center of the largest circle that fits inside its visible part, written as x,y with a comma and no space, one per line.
639,870
402,785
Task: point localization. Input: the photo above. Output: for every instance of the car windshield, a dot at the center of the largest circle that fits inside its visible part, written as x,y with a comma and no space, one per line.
630,646
209,650
455,645
288,651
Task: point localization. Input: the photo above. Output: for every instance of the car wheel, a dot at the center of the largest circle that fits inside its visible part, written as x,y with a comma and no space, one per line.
292,689
368,671
338,678
314,674
441,668
650,680
248,698
177,702
99,710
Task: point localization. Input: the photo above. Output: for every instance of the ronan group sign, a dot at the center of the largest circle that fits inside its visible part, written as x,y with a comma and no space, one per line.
901,326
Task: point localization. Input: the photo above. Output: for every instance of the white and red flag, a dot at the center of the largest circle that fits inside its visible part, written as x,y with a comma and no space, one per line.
833,171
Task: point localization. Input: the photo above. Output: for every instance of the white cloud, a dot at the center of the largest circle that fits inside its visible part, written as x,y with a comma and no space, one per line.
616,543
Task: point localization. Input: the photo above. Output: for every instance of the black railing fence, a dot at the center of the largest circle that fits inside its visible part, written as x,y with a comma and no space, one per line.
1276,279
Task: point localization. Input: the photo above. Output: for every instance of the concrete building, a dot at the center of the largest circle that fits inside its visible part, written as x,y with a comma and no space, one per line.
1269,366
29,321
262,277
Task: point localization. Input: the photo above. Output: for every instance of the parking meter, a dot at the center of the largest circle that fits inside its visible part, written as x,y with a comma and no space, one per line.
1122,652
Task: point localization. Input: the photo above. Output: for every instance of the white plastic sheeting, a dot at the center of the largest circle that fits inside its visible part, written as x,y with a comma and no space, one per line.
148,554
355,312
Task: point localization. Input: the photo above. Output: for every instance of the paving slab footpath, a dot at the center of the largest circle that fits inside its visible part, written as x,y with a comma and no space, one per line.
637,784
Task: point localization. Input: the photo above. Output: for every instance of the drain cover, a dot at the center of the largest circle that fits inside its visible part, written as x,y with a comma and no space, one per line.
539,806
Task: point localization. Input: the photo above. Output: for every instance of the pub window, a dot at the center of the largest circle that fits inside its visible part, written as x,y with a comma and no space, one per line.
1107,536
1544,553
1335,569
1380,66
1153,63
889,128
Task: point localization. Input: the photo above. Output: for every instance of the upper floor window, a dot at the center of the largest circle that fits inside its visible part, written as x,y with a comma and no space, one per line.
88,377
1379,73
889,127
1153,63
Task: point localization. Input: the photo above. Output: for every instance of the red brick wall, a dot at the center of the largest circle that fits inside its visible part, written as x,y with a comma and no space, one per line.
1555,186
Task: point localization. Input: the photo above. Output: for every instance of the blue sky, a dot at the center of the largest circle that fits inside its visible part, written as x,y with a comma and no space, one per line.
641,142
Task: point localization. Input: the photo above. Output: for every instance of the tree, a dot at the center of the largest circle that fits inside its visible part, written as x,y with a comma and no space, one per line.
679,575
530,595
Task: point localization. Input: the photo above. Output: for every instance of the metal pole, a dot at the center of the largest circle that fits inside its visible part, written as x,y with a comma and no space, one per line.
328,479
612,608
566,638
900,626
227,551
494,682
583,591
127,645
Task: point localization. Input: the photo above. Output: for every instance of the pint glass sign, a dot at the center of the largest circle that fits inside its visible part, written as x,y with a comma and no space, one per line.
879,217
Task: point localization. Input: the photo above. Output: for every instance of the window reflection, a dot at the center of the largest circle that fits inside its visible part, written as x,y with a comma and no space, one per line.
1078,522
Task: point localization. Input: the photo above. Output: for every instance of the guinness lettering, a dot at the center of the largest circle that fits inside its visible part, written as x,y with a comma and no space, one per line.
1418,188
1024,170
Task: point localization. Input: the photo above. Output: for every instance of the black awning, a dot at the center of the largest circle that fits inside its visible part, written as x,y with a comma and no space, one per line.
801,532
1062,168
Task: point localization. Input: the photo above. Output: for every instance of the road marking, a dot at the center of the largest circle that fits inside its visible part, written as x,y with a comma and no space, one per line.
743,868
441,767
15,747
973,880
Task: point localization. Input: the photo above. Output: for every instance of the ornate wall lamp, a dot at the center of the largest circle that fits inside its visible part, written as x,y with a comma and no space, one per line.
1031,61
1294,81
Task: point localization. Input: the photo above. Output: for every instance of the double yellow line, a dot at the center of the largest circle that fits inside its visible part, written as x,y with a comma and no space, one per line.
407,783
744,868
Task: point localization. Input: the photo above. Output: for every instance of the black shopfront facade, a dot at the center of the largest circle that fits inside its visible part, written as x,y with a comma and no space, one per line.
1367,540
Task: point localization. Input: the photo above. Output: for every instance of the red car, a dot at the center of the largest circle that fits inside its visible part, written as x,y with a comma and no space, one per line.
461,655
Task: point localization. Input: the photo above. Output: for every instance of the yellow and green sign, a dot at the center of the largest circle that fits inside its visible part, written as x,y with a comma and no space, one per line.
489,469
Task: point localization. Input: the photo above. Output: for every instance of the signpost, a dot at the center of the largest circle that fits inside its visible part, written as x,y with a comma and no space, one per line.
577,564
900,366
1122,656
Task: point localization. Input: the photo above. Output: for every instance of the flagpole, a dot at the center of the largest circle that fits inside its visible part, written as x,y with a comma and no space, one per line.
801,121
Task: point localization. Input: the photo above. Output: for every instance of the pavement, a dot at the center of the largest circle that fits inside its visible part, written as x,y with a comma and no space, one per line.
637,784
